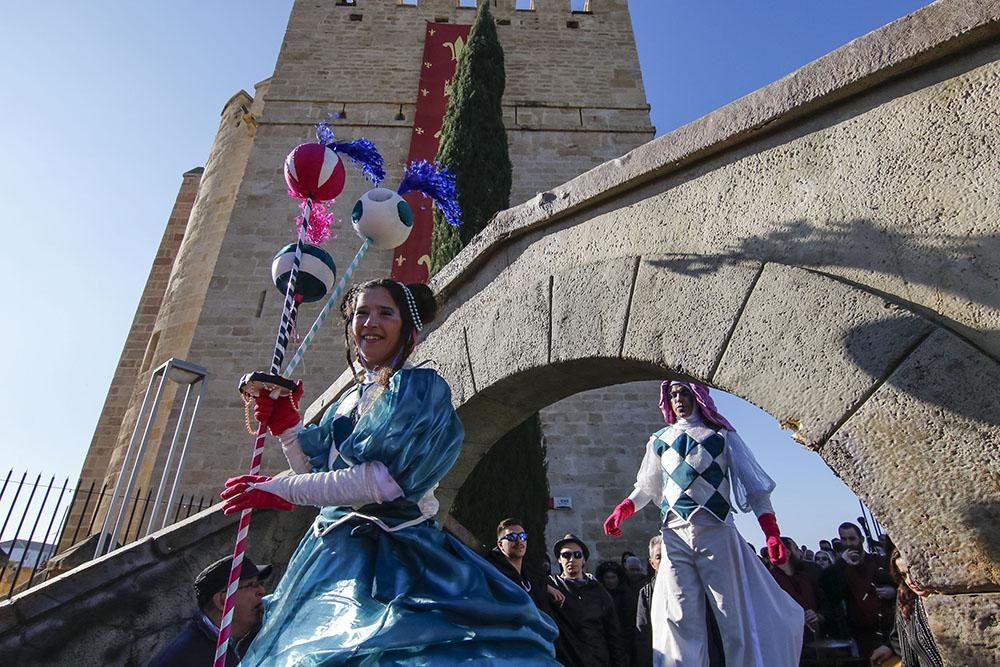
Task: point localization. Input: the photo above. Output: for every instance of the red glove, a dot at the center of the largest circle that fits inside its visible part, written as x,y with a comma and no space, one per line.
280,414
776,549
612,525
239,496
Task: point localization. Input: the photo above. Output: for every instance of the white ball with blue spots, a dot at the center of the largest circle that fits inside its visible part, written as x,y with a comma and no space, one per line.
384,217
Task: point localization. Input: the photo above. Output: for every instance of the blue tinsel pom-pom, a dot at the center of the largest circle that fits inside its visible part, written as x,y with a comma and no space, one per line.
324,133
362,152
436,182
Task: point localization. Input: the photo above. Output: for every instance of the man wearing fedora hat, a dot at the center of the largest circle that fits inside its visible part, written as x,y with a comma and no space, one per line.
589,632
195,645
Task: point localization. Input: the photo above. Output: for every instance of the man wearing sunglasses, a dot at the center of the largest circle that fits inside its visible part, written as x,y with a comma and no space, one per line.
508,557
589,632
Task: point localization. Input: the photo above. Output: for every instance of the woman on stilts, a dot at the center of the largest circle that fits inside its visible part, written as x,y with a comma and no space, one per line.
375,581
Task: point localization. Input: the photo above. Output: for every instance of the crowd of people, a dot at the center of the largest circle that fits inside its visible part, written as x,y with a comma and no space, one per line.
375,580
860,605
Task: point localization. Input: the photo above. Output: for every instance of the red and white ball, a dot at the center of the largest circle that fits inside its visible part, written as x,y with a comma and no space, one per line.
384,217
313,170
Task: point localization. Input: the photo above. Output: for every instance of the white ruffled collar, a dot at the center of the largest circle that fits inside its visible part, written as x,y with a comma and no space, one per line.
694,421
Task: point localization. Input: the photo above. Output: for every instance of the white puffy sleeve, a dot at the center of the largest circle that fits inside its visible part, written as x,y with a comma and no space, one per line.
297,459
649,480
752,486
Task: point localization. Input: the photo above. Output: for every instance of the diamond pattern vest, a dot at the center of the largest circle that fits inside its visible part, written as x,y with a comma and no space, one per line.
695,472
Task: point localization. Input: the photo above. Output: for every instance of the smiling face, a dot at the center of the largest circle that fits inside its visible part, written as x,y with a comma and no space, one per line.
681,401
376,325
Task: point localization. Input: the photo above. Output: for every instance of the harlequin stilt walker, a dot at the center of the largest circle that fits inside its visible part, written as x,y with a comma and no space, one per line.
693,469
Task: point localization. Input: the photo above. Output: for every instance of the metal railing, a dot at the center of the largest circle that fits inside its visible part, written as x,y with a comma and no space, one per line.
42,504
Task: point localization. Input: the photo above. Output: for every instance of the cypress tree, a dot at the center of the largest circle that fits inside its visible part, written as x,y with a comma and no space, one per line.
510,481
473,140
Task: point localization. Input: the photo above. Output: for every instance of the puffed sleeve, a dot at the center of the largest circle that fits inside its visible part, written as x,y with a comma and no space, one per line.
649,480
317,441
752,486
412,429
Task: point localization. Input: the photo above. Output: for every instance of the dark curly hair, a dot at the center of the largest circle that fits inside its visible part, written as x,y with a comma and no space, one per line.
905,597
611,566
427,308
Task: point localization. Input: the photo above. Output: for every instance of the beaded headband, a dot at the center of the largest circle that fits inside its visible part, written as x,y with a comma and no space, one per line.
412,303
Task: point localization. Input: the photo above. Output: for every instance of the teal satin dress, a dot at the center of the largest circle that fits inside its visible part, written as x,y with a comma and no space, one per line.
358,591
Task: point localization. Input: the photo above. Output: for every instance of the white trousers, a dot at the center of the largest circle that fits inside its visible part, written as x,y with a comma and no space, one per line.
761,625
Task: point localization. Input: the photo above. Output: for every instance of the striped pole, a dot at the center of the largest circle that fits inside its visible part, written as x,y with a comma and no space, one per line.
331,300
280,345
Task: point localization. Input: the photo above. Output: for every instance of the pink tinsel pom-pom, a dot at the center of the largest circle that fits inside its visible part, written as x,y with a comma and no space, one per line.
320,221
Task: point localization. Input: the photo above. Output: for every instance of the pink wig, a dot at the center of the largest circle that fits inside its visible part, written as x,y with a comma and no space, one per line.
701,396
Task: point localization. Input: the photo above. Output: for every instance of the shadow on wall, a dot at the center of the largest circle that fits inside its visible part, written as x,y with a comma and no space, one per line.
983,521
947,259
921,382
802,243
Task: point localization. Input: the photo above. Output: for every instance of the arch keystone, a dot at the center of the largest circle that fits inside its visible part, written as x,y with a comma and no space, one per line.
683,310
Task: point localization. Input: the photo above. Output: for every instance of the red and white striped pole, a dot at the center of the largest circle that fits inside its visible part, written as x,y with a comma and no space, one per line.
280,345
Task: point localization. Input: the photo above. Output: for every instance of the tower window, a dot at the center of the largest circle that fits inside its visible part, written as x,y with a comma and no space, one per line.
524,5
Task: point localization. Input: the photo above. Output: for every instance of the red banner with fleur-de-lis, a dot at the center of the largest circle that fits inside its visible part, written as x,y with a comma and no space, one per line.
443,44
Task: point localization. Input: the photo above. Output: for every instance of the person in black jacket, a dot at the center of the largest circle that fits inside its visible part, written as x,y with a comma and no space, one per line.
508,557
616,582
195,645
589,631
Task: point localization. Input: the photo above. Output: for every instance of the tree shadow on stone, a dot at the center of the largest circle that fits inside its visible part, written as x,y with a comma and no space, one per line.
861,244
983,520
955,384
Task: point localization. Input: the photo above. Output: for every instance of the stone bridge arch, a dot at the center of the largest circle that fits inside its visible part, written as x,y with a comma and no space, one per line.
825,248
891,400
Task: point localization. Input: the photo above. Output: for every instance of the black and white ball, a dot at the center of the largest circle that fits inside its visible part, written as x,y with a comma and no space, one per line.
317,272
384,217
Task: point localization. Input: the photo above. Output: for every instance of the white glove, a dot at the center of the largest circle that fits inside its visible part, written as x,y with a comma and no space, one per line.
355,486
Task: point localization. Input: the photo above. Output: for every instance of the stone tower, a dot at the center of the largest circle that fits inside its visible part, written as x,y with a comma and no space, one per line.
574,99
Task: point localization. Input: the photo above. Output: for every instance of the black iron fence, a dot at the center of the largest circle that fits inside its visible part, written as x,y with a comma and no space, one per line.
40,516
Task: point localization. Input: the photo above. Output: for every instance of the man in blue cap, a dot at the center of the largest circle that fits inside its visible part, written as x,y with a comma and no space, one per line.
195,645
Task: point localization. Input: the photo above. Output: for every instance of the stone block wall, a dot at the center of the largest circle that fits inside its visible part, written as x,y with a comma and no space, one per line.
595,442
566,112
121,609
190,277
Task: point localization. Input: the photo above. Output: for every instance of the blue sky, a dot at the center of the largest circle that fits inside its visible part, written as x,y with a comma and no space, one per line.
107,103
